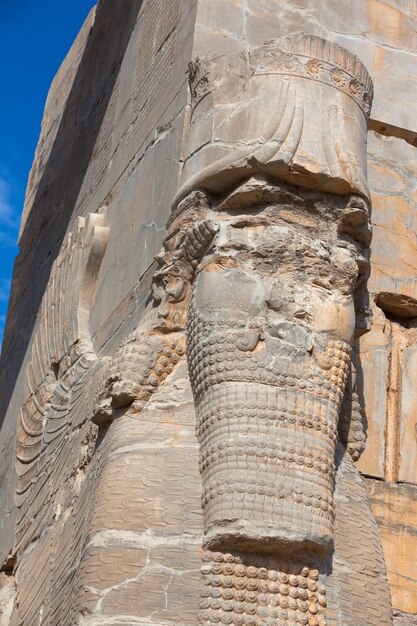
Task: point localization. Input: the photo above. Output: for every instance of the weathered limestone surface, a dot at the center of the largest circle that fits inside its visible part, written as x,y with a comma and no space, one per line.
203,347
381,32
394,507
404,619
392,175
387,363
105,122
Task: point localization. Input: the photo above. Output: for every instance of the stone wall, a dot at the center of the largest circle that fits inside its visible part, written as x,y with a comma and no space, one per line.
126,492
382,34
110,116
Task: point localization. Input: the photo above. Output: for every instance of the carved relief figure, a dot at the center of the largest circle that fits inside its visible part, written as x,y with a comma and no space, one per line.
276,304
271,323
55,435
260,290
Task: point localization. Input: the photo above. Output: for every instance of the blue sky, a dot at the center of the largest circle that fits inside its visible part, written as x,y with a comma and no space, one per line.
34,39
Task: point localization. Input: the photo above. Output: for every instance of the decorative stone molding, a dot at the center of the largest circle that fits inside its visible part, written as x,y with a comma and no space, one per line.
294,109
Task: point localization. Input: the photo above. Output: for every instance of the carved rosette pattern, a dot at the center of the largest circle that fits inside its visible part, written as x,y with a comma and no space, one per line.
317,59
316,98
302,56
249,590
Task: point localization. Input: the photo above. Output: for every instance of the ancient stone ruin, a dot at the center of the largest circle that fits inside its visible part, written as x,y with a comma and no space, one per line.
208,374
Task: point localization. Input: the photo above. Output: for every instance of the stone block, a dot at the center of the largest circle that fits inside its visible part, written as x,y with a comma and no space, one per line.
392,166
372,375
394,507
407,470
380,32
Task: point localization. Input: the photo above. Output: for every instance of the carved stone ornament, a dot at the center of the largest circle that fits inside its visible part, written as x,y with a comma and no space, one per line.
55,432
260,289
264,270
58,374
295,109
278,144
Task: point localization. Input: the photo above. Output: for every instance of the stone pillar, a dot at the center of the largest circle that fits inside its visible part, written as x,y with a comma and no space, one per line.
228,352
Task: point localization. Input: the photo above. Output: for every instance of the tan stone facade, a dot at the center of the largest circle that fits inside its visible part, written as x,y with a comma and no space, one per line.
204,349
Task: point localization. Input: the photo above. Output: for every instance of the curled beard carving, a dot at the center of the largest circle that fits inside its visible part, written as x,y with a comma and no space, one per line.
271,319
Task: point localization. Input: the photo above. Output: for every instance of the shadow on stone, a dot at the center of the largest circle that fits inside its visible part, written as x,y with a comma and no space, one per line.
63,175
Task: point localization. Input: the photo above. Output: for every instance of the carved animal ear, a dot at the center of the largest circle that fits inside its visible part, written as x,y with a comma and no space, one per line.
177,265
189,246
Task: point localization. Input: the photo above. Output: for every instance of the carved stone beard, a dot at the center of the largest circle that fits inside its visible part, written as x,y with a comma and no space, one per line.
270,324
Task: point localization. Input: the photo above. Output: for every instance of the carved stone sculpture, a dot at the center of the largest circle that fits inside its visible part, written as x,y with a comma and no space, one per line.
259,290
276,303
271,321
265,263
55,431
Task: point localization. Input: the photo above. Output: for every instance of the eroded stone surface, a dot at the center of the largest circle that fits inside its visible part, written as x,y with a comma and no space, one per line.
137,490
404,619
394,509
380,32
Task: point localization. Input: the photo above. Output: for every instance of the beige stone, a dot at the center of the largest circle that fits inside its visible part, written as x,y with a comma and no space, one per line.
392,176
191,383
394,508
380,32
404,619
315,101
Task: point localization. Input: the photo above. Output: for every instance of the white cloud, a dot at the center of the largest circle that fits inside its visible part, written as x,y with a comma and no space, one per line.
5,284
8,214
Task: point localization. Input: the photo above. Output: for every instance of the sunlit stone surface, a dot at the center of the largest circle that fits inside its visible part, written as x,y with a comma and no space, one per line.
208,373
